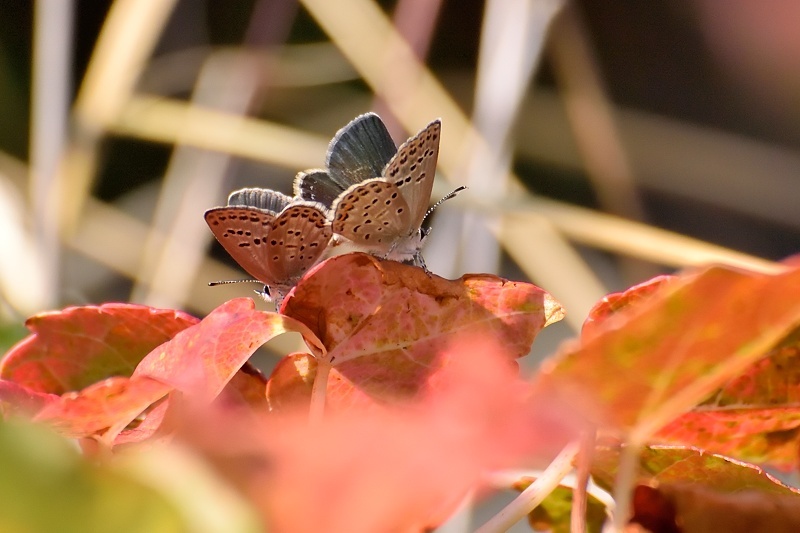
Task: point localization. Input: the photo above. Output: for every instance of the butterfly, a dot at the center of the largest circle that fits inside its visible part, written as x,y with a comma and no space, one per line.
275,238
377,194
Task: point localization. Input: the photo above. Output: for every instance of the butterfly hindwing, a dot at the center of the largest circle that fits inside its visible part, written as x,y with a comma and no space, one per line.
373,214
315,185
298,237
265,199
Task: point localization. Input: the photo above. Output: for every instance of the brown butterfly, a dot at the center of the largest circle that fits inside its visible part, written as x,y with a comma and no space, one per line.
275,238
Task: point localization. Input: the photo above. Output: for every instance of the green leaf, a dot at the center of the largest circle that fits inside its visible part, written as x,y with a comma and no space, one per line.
46,486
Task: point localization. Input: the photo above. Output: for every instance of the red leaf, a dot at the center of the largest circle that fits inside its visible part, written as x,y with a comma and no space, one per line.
247,388
667,354
201,360
390,469
147,427
113,402
78,346
291,382
682,464
761,435
16,399
700,510
385,324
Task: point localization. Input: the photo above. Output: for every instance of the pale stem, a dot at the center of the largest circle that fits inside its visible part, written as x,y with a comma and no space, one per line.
534,494
319,391
628,462
579,491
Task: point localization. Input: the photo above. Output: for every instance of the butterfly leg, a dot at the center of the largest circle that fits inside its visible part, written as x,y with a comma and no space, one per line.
420,262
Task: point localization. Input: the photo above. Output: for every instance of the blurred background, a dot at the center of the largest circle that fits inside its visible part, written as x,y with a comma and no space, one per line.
603,142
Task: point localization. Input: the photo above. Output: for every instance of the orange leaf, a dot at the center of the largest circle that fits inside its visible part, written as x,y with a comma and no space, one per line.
616,302
654,361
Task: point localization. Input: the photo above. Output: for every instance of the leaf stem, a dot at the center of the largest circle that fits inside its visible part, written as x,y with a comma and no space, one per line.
319,391
534,494
579,491
626,476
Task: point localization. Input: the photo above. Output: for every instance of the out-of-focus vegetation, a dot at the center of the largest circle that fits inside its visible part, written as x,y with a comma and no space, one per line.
123,121
603,142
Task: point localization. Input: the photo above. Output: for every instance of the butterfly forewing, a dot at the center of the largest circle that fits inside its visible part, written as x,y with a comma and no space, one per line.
316,186
359,151
298,237
373,214
413,170
243,232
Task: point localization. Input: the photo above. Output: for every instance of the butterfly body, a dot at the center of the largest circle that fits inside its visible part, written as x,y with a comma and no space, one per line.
377,195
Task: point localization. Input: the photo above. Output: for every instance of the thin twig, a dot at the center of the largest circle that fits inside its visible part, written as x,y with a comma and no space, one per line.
623,487
528,499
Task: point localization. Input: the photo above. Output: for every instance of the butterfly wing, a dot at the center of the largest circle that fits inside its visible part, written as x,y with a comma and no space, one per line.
265,199
316,186
372,214
359,151
297,239
243,232
413,168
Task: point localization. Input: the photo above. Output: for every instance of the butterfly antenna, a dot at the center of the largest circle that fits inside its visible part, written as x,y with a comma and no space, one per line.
229,281
443,200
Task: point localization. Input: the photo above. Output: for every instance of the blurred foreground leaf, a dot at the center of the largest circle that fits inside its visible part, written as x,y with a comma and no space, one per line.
656,359
45,486
754,417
